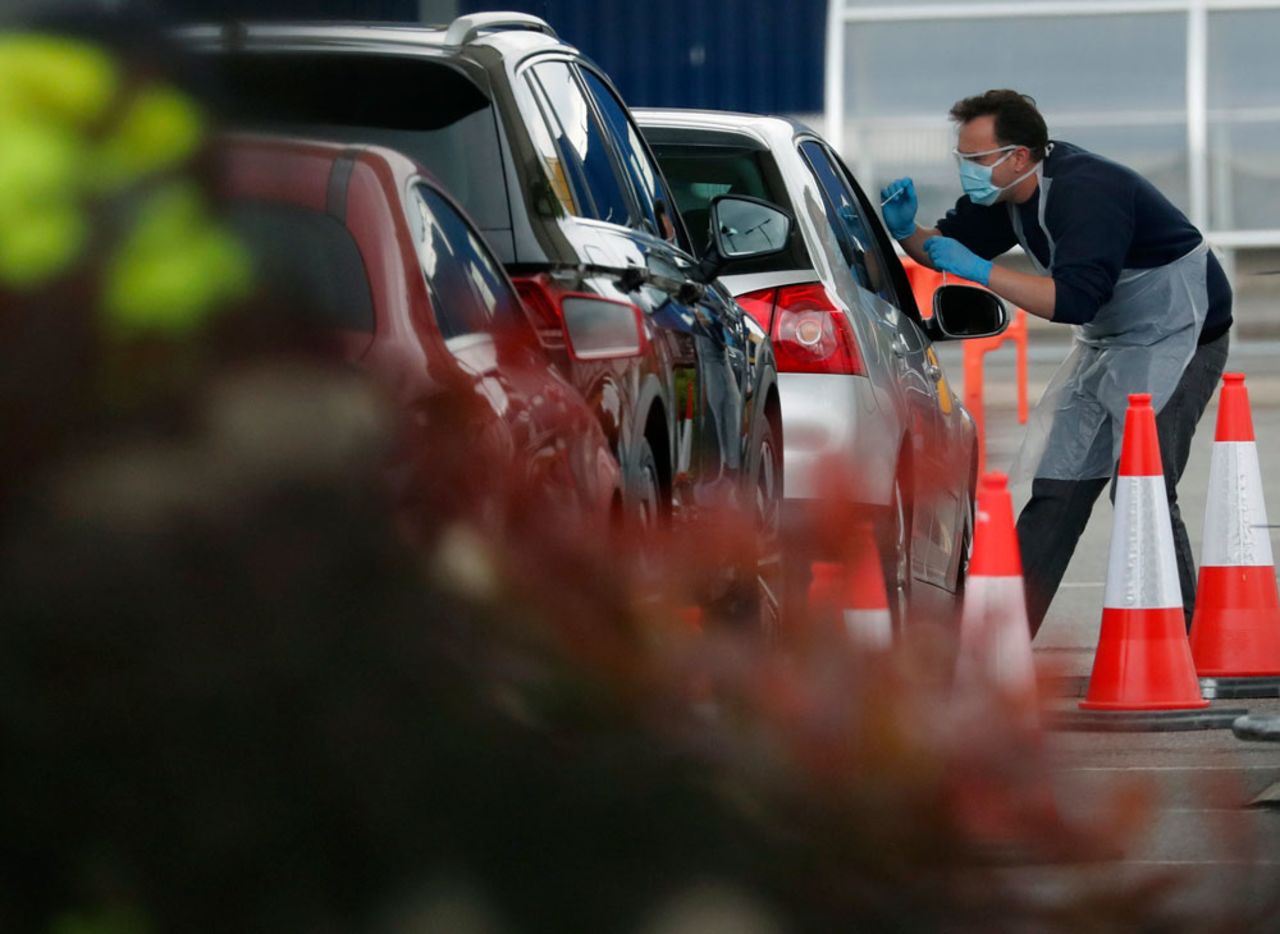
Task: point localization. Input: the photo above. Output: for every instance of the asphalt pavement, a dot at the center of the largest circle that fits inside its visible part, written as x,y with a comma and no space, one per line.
1218,797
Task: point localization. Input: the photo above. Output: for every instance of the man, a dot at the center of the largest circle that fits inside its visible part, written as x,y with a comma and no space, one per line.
1151,304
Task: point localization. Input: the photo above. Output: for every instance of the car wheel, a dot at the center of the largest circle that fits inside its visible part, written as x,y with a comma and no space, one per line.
645,513
768,516
966,546
646,489
898,561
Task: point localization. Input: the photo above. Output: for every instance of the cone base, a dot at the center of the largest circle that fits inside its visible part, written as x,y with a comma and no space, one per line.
1236,629
1233,688
1258,727
1167,721
1143,662
1136,706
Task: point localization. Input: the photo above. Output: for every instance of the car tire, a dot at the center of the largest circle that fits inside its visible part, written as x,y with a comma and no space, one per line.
750,596
645,513
897,559
767,492
966,544
646,490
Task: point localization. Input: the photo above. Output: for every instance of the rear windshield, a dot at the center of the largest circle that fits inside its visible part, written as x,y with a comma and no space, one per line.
697,174
308,261
427,110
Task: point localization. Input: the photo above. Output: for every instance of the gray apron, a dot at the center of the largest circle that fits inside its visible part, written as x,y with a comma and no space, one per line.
1139,341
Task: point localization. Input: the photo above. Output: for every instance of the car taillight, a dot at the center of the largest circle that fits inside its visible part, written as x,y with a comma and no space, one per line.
759,305
542,298
809,334
589,326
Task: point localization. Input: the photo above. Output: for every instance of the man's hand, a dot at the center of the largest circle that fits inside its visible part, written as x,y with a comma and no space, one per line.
898,205
947,255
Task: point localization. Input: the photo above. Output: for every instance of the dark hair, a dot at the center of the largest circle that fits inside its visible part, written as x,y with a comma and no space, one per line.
1018,122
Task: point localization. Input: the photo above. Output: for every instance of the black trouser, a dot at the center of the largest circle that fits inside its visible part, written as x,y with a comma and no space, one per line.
1054,518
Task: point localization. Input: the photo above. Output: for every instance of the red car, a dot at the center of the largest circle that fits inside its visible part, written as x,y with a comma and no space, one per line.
364,242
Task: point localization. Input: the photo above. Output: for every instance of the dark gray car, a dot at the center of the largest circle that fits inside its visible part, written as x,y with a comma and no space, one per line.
536,144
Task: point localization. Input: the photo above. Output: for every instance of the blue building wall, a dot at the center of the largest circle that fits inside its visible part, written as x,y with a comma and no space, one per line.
752,55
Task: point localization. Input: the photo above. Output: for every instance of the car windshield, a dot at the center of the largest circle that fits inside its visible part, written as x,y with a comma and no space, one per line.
427,110
697,174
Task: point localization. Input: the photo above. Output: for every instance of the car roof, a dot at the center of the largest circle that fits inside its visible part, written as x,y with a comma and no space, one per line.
399,167
763,125
356,37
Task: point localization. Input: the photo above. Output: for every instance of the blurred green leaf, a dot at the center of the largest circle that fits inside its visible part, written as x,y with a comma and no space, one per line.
174,269
160,128
55,79
40,244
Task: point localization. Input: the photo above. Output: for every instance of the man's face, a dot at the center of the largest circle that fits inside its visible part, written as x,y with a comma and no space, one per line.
979,135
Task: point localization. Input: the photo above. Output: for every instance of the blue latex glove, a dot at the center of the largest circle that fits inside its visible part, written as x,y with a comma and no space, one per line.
952,256
898,205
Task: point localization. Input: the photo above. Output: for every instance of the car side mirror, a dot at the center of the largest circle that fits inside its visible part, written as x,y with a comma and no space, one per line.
964,311
601,329
743,228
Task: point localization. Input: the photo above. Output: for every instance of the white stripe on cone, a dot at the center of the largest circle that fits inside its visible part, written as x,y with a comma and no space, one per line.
872,629
1142,572
995,641
1235,524
684,452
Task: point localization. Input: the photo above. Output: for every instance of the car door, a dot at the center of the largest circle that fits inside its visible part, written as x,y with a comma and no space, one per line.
715,381
953,451
485,329
616,193
953,443
914,367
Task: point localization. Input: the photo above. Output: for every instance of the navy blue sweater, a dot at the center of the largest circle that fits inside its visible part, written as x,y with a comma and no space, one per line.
1103,217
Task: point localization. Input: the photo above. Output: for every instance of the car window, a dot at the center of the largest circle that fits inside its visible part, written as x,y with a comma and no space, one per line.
697,174
470,294
643,173
436,115
308,261
581,142
898,282
846,219
564,175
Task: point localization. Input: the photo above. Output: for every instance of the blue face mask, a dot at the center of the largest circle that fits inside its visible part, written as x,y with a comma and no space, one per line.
975,179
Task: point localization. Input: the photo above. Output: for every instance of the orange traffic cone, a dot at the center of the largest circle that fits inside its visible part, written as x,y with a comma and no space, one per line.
855,595
1143,660
995,639
1236,629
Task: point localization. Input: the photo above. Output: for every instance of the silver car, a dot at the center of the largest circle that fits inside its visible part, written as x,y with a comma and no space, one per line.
862,390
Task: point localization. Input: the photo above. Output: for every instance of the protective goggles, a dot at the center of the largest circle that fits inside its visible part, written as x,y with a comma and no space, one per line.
962,157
